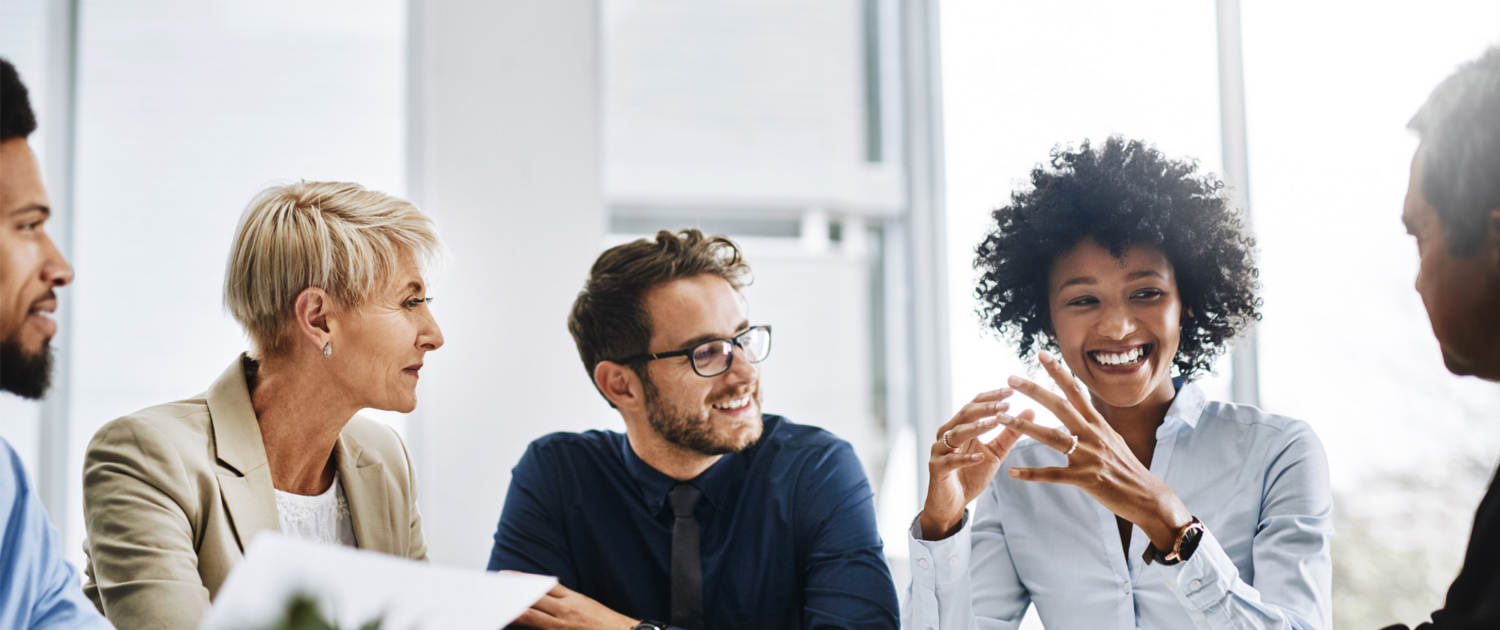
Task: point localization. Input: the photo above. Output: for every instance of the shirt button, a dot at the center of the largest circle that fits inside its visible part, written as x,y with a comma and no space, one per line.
922,562
1195,584
1125,588
953,561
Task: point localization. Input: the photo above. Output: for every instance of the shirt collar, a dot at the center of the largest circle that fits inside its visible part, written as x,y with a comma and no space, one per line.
1187,407
719,483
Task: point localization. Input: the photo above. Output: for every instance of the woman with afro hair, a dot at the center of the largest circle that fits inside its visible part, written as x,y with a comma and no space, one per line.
1125,273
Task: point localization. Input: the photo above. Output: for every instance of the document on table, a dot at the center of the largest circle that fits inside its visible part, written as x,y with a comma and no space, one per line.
353,587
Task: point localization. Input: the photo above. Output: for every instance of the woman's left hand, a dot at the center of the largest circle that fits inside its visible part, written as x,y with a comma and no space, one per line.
1102,464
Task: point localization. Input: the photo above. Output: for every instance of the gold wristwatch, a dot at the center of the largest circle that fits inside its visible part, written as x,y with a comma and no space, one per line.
1187,543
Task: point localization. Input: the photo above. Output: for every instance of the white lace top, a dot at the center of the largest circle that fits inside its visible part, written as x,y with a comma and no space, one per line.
321,519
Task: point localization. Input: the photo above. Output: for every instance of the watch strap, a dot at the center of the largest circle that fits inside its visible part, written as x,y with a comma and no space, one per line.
1182,548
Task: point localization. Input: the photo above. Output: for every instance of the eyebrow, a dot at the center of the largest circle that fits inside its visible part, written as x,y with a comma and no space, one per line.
1145,273
710,336
35,207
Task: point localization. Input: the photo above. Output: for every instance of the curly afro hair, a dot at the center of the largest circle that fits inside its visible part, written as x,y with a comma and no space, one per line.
1122,194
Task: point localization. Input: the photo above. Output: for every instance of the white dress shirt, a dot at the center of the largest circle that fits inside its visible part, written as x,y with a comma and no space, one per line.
1258,482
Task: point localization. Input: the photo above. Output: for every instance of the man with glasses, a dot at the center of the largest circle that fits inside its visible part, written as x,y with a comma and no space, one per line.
38,589
704,513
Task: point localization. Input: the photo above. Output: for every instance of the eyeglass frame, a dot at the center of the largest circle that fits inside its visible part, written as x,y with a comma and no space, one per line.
734,342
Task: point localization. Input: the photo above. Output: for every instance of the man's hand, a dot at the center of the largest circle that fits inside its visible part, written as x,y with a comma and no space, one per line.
564,609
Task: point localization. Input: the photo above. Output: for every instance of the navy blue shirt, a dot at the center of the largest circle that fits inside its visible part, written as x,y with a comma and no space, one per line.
787,529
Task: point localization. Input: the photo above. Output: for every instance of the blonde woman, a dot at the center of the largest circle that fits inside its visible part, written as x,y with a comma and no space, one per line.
327,280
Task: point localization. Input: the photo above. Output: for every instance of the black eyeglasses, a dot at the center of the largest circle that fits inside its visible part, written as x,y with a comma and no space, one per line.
715,356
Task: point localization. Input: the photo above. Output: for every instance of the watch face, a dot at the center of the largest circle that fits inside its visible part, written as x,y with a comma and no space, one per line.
1190,539
650,625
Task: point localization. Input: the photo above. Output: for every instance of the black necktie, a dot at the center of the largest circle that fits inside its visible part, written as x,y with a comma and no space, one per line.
687,568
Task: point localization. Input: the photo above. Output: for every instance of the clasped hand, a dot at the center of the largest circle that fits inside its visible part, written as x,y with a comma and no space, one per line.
1101,464
563,608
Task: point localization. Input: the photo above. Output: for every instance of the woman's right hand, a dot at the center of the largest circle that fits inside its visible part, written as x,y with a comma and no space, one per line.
958,474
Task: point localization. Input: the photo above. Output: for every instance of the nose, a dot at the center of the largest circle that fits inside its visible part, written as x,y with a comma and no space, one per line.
741,371
1115,322
55,269
430,337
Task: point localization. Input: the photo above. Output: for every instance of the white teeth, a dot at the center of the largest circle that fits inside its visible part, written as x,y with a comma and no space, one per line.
1123,358
737,403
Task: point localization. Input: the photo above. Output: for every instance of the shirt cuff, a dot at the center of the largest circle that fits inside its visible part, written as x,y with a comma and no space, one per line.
1203,580
939,562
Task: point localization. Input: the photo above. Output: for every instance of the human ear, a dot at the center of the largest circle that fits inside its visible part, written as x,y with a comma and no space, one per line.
1049,338
620,384
311,316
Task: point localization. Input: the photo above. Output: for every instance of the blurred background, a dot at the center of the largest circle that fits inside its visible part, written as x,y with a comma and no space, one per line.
854,148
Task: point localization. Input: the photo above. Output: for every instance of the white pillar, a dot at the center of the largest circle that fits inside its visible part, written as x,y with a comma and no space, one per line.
1244,375
504,128
53,464
926,226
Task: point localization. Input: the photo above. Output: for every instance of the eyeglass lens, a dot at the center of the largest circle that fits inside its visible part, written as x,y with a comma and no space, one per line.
712,358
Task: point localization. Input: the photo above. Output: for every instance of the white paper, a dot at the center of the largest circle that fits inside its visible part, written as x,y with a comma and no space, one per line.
354,587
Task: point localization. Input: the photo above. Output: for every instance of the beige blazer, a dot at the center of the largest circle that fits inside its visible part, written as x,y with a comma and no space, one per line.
173,493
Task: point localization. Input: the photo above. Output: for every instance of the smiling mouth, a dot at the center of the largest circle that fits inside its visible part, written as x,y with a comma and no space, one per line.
1122,359
48,304
41,314
733,404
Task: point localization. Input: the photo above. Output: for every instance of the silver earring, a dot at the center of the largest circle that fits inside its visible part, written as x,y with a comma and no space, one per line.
328,348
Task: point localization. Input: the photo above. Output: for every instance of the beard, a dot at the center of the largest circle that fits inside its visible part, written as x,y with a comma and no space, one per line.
688,430
25,375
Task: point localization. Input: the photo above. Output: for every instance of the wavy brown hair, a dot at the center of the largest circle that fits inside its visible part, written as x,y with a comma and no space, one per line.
609,321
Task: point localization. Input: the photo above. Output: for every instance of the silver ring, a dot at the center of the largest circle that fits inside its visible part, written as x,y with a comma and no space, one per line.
1074,447
946,443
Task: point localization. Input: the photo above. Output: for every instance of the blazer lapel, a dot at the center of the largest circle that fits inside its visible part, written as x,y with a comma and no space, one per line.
244,477
369,499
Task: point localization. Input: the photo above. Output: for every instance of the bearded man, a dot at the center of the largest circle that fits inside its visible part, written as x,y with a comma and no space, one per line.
38,589
704,514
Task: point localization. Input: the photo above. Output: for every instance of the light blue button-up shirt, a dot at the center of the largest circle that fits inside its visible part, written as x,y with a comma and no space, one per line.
1259,483
38,589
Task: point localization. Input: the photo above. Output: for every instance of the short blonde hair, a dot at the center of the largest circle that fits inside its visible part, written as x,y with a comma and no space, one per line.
340,237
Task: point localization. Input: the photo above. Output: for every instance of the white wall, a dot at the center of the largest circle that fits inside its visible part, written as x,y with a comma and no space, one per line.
506,144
